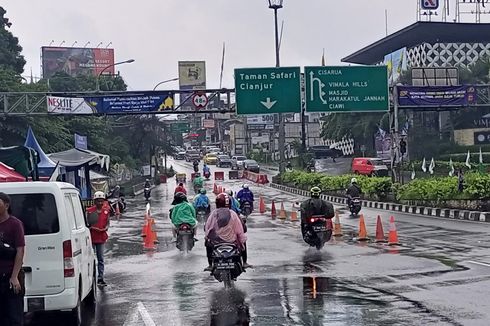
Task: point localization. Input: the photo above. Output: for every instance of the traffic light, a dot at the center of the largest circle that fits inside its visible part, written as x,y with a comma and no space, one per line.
403,146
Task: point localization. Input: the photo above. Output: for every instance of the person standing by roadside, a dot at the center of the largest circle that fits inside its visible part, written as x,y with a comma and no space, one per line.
12,243
99,215
460,180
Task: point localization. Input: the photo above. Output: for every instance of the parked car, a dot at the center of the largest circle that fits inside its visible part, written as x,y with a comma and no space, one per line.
59,261
192,155
223,161
210,158
369,166
251,165
180,156
237,162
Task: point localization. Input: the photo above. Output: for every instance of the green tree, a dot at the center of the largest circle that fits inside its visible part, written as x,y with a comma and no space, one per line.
10,50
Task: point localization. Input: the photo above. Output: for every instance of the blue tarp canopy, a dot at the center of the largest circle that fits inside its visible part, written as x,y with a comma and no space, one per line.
46,166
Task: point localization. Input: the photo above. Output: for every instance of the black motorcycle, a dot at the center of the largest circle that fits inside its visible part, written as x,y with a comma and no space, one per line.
147,193
116,203
318,231
185,237
227,263
355,205
246,209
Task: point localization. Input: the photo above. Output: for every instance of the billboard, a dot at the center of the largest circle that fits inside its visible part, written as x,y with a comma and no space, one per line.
436,95
137,102
76,61
192,75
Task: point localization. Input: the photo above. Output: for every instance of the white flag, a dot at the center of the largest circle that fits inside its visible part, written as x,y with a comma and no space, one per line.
413,171
481,157
424,167
467,163
432,165
451,165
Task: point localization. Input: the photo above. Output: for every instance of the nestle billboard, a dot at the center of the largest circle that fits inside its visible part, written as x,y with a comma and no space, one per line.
76,61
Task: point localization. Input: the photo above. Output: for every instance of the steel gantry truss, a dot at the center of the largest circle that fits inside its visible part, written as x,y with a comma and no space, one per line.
35,103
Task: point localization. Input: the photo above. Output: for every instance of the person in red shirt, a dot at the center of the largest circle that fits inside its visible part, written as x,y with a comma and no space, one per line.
12,244
98,231
180,188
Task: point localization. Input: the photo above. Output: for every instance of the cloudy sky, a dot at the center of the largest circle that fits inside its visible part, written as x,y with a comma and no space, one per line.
159,33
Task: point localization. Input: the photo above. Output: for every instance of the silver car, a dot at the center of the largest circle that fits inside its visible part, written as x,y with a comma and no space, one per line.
237,162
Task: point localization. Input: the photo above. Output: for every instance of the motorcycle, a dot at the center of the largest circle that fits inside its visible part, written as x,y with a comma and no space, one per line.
201,214
147,193
207,174
355,205
318,231
185,238
196,167
197,189
227,263
113,202
246,208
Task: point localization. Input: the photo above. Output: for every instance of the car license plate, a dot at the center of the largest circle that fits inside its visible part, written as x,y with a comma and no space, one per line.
35,304
319,228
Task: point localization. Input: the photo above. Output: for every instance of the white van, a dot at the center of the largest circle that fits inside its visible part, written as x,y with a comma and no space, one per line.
59,261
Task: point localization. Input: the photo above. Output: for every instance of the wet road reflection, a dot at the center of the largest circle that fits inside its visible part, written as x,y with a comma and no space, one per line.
229,307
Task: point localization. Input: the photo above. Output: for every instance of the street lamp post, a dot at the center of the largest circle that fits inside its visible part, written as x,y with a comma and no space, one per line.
165,81
107,67
276,5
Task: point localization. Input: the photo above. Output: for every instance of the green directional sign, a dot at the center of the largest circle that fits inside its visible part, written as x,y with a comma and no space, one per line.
268,90
347,89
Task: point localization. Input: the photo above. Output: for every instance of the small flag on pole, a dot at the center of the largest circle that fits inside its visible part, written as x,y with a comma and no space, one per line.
432,165
481,167
413,171
451,166
467,163
424,165
323,58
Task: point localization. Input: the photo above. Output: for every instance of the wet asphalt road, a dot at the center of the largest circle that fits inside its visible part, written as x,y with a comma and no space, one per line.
439,275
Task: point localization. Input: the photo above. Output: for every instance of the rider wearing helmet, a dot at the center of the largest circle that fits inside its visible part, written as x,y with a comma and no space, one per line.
224,226
180,188
147,183
235,205
202,201
353,191
182,212
198,182
245,195
314,206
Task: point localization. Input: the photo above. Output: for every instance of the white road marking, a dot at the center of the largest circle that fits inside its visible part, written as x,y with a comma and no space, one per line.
478,263
140,310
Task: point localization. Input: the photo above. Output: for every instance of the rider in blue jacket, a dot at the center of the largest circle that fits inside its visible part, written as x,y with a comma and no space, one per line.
245,195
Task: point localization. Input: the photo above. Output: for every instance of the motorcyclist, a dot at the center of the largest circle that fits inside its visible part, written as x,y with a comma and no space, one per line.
205,169
314,206
115,192
224,226
353,191
147,183
195,164
182,212
235,205
245,195
198,183
180,188
289,166
202,201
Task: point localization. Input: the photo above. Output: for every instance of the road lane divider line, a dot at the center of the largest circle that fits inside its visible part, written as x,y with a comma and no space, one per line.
478,263
145,315
133,318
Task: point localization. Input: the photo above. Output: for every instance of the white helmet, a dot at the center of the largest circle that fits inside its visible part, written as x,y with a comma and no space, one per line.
245,186
99,195
353,180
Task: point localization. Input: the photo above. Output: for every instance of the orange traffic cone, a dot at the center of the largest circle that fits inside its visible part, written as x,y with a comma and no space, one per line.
380,235
362,230
282,212
273,210
294,216
149,241
118,211
261,205
153,232
329,224
393,235
144,231
337,230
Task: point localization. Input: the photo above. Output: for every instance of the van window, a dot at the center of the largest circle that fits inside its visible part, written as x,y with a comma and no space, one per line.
70,212
38,212
78,211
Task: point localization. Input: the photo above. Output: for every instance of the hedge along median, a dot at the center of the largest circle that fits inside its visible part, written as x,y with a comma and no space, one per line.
436,192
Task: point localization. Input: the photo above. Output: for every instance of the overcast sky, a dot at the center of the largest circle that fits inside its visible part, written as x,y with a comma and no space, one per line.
159,33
